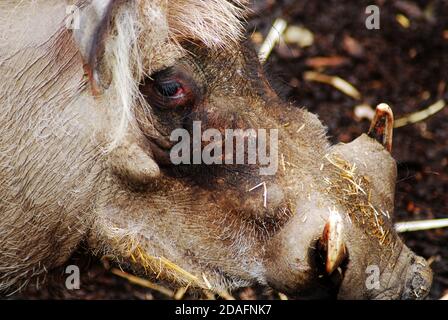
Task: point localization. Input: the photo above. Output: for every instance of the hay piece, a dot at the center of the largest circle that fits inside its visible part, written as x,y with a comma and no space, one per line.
282,296
364,111
420,115
403,20
209,295
334,81
265,192
299,36
142,282
180,293
174,271
410,226
273,37
351,191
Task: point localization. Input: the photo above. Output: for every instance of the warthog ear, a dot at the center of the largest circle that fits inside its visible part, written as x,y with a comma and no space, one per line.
94,22
331,243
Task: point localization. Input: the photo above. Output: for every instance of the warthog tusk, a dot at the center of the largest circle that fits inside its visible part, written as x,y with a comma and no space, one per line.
381,128
332,242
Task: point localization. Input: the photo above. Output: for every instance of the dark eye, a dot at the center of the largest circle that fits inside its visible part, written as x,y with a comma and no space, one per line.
170,88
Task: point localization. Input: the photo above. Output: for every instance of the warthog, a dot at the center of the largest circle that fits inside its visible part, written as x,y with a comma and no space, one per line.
89,103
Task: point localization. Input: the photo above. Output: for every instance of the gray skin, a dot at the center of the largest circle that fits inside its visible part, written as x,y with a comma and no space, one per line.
60,185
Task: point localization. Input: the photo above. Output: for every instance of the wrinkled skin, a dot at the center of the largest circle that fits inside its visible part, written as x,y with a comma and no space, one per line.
61,186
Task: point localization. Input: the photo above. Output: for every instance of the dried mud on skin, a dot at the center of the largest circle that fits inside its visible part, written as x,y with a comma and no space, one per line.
404,67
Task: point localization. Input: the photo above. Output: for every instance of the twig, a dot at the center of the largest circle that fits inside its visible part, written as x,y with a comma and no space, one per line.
337,82
421,225
142,282
420,115
273,37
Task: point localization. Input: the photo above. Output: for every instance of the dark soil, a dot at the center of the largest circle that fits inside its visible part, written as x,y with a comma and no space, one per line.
404,67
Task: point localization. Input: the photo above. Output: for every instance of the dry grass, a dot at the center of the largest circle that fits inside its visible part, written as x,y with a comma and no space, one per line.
143,282
164,269
353,193
334,81
420,115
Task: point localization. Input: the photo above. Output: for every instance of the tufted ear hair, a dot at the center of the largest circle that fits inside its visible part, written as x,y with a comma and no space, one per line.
94,22
214,23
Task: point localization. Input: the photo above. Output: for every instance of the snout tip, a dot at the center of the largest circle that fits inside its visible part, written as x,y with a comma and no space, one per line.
418,281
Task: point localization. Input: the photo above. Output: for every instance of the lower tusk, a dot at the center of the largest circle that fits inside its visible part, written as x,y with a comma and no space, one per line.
331,242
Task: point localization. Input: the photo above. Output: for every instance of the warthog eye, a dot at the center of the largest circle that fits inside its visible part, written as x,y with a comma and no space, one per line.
169,89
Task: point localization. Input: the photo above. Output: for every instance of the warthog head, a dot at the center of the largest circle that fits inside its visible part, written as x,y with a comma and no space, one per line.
149,131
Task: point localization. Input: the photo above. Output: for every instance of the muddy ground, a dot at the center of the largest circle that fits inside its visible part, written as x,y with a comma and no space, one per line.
404,63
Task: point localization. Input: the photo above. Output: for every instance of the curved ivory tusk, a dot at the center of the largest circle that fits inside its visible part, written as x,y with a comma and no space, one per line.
332,242
381,128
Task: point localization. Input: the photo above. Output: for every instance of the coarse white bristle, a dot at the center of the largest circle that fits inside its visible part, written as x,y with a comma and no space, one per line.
147,36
